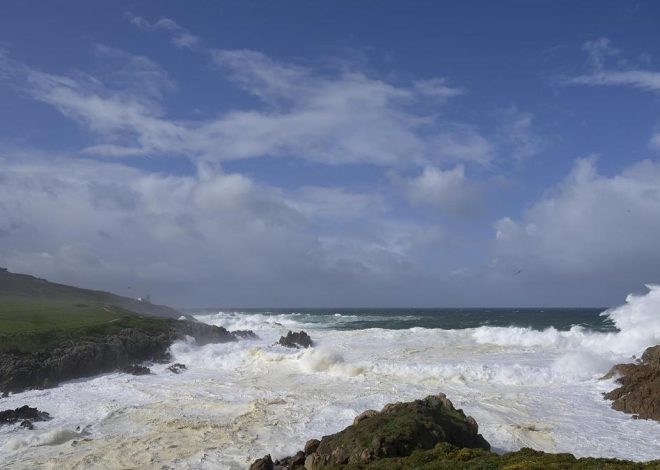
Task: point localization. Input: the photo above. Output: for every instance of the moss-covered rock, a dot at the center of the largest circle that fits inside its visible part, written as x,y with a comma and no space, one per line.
448,457
428,434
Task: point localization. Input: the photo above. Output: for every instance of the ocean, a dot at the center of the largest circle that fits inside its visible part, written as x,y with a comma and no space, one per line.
530,377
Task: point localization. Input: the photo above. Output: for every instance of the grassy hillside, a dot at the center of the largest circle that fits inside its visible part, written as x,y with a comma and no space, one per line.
25,286
36,314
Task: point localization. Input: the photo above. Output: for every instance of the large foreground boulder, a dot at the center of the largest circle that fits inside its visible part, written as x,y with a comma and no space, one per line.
639,391
398,430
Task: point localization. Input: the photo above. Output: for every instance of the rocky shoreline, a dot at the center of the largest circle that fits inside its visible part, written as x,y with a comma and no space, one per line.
639,390
424,434
90,355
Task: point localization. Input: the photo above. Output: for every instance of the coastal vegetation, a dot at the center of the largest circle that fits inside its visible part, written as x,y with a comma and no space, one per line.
53,332
428,434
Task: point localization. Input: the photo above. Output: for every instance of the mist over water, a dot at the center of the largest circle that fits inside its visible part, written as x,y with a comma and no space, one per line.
530,377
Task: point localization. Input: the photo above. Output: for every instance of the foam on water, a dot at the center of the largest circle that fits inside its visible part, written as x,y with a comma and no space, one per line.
238,401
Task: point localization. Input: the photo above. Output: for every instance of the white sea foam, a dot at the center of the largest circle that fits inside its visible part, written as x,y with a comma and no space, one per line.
238,401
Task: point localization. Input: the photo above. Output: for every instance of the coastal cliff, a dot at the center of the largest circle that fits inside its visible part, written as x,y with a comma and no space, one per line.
51,332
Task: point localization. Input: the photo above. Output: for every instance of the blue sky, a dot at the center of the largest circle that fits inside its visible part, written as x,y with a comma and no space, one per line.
333,153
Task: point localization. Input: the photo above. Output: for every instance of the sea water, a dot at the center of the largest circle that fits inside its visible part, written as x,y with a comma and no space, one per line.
530,378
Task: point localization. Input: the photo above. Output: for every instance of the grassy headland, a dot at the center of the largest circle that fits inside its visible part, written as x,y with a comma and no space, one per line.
52,332
37,315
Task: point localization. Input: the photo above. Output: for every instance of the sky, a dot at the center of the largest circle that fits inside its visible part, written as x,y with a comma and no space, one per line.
333,154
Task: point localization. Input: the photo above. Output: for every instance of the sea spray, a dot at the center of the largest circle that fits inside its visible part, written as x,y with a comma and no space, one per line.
529,378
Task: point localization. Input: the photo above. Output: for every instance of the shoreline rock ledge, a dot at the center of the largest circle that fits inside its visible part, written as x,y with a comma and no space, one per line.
639,390
397,430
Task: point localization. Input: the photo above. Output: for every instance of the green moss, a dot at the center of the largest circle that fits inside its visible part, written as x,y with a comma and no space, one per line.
34,324
448,457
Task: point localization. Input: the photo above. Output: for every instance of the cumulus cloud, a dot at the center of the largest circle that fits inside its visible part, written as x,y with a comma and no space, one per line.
447,190
591,234
208,238
217,236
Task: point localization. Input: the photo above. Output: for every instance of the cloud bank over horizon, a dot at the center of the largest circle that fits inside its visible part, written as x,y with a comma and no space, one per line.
319,181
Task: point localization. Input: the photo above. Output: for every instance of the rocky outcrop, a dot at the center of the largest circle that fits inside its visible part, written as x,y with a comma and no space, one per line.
398,430
639,390
91,355
25,414
299,339
265,463
177,368
83,357
425,434
135,369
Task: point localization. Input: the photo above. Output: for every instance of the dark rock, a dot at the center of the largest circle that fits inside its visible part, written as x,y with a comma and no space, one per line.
398,430
177,368
27,424
265,463
639,392
245,334
296,340
135,369
91,355
84,357
203,333
297,461
24,413
311,446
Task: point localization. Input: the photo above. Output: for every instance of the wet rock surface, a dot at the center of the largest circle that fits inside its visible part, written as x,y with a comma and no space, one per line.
135,369
177,368
91,355
639,390
25,414
299,339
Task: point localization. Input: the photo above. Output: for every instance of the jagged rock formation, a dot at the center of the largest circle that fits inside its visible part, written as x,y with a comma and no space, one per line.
25,414
299,339
91,355
177,368
639,392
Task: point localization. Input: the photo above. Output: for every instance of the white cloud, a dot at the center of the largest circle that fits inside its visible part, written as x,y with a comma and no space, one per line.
644,80
437,88
448,190
334,204
201,239
516,135
621,73
592,232
343,118
181,37
462,143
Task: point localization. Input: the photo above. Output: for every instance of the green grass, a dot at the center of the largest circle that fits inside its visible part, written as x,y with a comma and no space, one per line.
33,324
447,457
